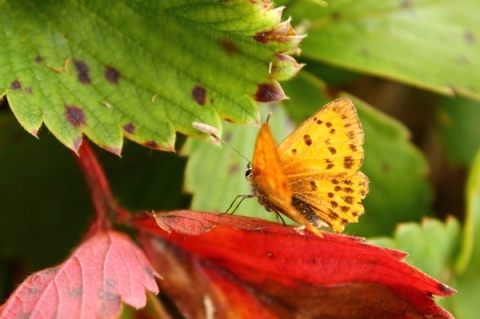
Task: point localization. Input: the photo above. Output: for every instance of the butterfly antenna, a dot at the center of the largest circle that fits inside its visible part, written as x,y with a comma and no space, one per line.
229,146
210,130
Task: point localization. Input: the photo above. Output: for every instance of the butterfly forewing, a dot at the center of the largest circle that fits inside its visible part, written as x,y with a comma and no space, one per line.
321,160
269,184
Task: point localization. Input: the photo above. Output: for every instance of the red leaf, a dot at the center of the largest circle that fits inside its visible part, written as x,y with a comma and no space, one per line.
286,272
104,271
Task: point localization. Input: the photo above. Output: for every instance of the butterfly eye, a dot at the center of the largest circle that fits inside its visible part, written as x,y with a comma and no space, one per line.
248,172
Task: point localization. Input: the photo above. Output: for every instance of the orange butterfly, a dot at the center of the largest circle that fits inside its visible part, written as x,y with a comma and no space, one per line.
313,176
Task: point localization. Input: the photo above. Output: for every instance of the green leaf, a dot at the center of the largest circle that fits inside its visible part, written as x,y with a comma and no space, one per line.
397,170
140,69
470,254
458,128
427,43
464,304
467,266
431,246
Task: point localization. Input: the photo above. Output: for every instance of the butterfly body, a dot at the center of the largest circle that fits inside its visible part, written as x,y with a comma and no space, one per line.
313,176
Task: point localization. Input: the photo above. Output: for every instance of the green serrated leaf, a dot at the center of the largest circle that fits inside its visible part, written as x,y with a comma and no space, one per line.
457,119
139,69
397,171
427,43
431,246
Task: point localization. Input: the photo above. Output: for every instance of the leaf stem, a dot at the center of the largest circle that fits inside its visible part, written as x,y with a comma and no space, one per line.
104,205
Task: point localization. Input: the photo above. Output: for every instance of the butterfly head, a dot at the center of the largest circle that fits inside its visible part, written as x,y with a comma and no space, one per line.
248,171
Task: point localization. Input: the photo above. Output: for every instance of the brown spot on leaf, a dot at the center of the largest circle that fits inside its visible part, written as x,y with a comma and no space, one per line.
280,35
332,150
348,199
229,46
336,15
233,169
353,147
348,190
344,221
330,166
307,140
351,134
294,151
112,75
313,185
16,85
268,92
328,124
319,122
363,193
151,144
82,71
332,131
337,188
333,203
330,195
38,59
345,209
347,125
406,4
347,182
28,90
129,128
334,181
470,37
75,115
355,214
199,94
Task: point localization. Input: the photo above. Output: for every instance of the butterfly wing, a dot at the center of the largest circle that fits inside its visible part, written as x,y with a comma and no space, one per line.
268,181
321,160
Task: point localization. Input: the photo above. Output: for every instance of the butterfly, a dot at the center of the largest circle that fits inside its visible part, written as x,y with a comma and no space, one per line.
313,176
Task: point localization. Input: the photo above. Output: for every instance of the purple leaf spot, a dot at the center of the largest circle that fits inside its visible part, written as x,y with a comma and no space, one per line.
112,75
268,92
199,94
129,128
75,115
82,71
16,85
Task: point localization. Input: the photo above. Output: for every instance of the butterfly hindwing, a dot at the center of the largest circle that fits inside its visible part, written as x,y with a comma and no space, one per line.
336,201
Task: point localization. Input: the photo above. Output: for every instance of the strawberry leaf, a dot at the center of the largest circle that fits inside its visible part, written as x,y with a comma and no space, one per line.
103,272
289,273
140,70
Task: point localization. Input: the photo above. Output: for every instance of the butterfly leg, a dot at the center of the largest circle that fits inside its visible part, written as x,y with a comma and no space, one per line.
241,200
279,216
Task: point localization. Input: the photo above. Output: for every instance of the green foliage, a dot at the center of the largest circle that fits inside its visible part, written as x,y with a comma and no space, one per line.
457,120
427,43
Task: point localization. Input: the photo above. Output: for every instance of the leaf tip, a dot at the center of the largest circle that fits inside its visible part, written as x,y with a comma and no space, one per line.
269,92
